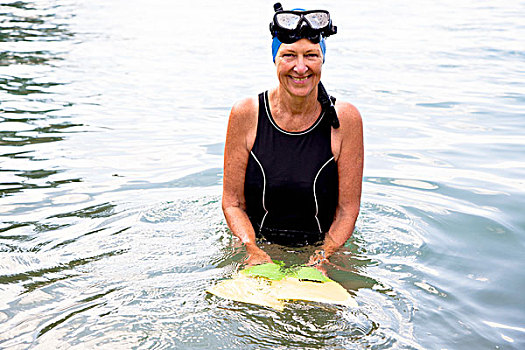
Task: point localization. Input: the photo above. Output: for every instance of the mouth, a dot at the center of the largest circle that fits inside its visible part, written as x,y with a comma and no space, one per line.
300,80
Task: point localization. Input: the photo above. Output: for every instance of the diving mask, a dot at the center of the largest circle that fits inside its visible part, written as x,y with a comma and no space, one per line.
290,26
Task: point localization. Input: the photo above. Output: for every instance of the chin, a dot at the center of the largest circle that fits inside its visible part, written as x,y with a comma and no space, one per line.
302,91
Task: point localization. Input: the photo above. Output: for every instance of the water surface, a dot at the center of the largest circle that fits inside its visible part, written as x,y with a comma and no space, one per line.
112,122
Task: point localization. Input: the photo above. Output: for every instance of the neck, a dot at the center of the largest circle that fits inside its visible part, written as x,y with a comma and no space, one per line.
295,105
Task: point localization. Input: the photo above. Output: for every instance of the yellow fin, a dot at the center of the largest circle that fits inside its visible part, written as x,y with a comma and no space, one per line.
261,291
249,290
322,292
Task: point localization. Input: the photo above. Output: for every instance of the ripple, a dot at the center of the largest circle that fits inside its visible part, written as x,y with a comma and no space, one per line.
443,104
29,21
71,198
97,211
193,210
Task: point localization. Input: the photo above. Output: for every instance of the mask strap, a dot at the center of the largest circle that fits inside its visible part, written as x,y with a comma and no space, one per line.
328,105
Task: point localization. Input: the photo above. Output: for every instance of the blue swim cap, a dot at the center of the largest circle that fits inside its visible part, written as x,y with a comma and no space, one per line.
276,43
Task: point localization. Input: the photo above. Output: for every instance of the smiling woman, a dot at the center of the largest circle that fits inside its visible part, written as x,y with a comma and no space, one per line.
293,160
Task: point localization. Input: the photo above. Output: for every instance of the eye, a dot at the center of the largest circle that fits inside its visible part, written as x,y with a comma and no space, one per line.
311,55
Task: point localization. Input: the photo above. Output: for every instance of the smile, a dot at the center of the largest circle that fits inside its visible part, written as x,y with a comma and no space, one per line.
300,80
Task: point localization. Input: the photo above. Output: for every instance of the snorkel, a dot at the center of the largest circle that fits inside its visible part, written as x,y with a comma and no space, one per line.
316,25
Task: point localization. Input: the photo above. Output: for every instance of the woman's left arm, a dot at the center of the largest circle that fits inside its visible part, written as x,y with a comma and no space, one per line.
347,146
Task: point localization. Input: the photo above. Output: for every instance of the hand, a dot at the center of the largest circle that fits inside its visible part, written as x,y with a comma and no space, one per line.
317,260
256,256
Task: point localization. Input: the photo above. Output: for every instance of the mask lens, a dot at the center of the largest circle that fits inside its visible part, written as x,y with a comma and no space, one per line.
287,20
318,20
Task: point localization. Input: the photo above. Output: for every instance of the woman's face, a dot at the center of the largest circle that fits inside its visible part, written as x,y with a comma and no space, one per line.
299,67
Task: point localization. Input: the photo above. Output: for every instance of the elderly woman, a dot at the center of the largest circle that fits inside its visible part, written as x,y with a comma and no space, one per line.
293,160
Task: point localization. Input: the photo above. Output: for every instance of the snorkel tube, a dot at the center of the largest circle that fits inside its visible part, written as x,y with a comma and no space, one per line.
316,25
328,105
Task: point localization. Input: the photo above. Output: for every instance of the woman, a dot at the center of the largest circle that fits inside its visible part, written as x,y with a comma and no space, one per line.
293,161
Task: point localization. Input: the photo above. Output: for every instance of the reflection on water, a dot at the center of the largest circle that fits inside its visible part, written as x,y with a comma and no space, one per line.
33,21
112,120
27,100
27,25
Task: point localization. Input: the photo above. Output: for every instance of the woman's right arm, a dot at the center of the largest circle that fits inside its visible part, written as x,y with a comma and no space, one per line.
240,137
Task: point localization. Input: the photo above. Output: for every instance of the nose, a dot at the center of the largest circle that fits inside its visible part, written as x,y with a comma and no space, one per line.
300,66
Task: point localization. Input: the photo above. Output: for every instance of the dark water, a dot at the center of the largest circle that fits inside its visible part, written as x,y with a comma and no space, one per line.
112,121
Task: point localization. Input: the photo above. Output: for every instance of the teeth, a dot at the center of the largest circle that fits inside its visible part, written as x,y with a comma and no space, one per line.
301,79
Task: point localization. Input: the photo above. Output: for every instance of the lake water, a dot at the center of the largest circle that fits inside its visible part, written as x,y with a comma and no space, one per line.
112,123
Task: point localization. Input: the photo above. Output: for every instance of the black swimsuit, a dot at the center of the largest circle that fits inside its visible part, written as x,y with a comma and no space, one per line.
291,184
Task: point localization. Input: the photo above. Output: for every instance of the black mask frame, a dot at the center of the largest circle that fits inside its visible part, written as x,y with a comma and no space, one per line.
303,29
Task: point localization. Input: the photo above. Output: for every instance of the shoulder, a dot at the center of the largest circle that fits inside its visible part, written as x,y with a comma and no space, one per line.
245,106
242,124
348,115
244,113
349,136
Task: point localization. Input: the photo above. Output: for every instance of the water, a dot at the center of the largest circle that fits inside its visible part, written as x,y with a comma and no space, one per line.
112,127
